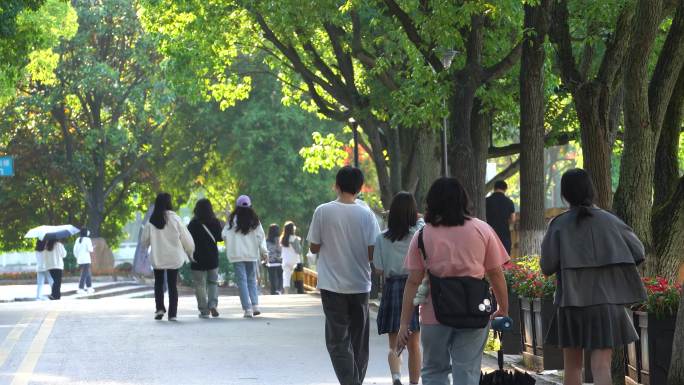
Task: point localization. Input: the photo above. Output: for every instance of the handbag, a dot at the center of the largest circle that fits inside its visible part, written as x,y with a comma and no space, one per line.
459,302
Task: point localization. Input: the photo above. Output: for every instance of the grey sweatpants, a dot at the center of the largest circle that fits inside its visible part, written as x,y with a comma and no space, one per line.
347,327
447,349
206,289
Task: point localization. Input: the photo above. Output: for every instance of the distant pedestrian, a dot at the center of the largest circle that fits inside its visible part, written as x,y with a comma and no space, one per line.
54,254
205,229
245,245
388,258
170,246
501,213
42,273
292,252
275,260
594,256
454,245
343,234
83,250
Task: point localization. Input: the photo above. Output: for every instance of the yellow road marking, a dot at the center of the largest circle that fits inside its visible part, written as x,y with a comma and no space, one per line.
12,339
30,361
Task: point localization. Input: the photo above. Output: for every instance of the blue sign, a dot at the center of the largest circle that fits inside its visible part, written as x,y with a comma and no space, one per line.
6,166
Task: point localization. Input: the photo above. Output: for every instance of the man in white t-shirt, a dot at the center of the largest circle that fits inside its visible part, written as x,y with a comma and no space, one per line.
343,234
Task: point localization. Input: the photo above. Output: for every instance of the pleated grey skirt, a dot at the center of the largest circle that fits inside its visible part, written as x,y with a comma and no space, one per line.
592,327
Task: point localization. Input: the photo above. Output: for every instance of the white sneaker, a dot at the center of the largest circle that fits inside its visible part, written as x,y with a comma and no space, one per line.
249,313
90,290
80,291
256,311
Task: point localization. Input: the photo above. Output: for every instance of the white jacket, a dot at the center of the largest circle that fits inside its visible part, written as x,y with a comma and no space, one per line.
244,247
170,246
54,259
82,249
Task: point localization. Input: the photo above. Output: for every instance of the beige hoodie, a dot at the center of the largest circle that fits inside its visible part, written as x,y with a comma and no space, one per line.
171,246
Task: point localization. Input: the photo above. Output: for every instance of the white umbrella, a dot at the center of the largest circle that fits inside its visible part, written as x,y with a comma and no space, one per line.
55,232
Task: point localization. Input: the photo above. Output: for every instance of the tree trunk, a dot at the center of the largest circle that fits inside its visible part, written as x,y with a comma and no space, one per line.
592,103
378,157
667,163
668,233
428,162
481,126
532,224
676,374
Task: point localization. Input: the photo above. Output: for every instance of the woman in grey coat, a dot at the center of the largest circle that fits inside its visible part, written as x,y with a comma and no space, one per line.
594,256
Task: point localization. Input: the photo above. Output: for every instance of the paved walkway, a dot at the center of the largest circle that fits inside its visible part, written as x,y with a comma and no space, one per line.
115,341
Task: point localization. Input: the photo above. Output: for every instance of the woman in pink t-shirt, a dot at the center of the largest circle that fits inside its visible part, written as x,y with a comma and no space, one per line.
457,245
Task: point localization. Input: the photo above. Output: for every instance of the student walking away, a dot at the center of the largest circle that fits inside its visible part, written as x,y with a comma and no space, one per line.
501,213
42,274
83,250
456,251
274,261
588,244
205,229
388,257
245,244
170,246
343,234
54,253
292,252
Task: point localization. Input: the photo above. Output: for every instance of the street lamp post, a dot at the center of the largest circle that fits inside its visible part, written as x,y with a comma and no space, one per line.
355,131
447,57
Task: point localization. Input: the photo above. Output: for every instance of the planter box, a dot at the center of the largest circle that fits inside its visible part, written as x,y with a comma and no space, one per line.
537,315
648,360
512,341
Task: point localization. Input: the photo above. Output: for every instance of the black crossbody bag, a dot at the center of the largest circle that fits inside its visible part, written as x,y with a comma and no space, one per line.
459,302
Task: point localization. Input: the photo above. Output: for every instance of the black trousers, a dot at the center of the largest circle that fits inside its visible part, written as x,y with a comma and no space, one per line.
172,280
56,275
275,278
347,327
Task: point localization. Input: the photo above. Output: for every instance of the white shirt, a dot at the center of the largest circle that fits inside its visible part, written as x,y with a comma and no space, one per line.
54,259
244,247
40,261
290,253
82,249
344,231
170,246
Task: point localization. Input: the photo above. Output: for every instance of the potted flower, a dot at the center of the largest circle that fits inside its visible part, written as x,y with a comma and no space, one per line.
535,293
648,361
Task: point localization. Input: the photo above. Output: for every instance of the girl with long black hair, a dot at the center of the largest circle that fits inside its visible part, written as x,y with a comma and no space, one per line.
83,249
170,245
292,251
589,245
245,244
275,260
388,258
54,254
205,229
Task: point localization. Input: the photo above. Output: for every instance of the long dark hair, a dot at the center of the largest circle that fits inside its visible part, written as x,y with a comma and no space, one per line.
50,244
402,216
244,219
40,245
204,212
83,234
447,203
288,232
273,232
161,205
578,190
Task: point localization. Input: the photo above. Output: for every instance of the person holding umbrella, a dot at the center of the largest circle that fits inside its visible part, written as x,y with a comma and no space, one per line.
170,244
42,273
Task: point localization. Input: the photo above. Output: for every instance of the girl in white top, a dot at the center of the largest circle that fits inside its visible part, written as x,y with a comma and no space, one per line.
292,251
42,273
53,255
83,249
245,242
171,245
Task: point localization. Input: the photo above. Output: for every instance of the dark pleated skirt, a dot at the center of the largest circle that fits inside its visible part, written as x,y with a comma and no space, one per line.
389,314
592,327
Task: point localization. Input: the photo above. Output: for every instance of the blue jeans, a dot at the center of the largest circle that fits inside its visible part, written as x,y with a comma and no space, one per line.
447,349
246,277
41,277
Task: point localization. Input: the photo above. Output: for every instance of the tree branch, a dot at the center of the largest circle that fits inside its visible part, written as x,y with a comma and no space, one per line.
502,67
559,33
506,173
616,48
550,140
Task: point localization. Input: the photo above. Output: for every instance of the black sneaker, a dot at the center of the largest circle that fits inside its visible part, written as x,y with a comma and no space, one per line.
214,312
397,382
159,315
